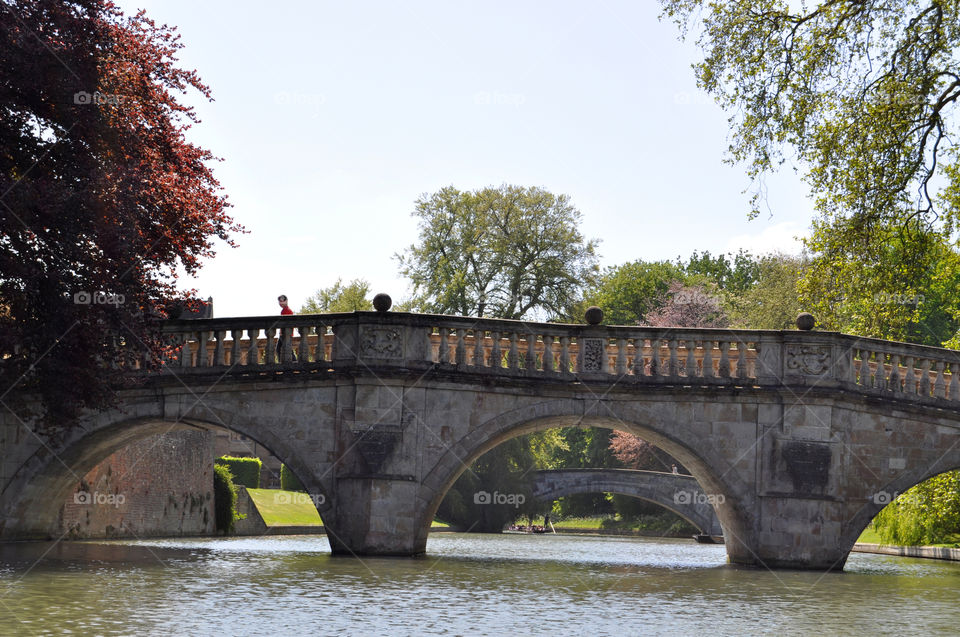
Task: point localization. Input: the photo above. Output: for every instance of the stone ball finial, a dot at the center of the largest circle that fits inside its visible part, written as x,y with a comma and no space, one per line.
594,315
806,321
382,302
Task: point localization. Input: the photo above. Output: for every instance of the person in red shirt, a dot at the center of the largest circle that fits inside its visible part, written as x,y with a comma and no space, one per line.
284,311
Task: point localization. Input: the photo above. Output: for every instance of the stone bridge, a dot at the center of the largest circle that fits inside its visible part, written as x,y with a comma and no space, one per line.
678,493
806,435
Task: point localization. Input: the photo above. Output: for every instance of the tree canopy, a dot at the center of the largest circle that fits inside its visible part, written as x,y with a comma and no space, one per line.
507,252
340,298
102,197
861,96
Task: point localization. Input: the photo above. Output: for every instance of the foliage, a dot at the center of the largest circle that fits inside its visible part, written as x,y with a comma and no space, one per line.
772,302
862,94
224,499
290,482
907,293
734,276
627,292
103,197
502,471
245,471
340,298
689,306
928,513
506,252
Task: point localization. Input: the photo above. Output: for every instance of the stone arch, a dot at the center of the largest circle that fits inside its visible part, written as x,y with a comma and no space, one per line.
31,498
581,412
864,516
650,486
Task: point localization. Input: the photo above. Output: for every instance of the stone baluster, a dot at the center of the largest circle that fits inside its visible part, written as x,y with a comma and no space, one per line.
939,385
954,381
656,363
286,350
496,354
742,372
513,356
723,368
320,349
303,349
924,386
621,365
910,375
639,364
708,359
218,353
548,362
674,365
478,338
270,355
865,378
530,356
235,336
564,354
203,337
893,383
460,355
253,348
443,352
186,352
690,368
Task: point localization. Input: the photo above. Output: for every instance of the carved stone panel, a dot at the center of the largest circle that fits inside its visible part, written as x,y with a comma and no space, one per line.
381,342
808,465
592,353
812,360
375,445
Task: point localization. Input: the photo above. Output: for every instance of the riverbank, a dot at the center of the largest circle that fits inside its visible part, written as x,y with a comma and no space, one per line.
927,552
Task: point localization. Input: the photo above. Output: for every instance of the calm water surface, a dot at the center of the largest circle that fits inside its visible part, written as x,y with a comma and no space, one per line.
466,585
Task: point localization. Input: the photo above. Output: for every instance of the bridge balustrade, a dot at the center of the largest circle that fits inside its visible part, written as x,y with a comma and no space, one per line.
683,356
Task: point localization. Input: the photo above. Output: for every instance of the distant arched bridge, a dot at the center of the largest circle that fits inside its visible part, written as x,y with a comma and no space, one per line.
805,435
678,493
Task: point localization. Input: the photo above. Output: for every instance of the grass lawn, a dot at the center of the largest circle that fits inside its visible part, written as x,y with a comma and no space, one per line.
285,508
574,523
870,536
437,524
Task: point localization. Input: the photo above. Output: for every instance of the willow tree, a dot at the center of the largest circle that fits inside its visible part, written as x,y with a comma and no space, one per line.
507,252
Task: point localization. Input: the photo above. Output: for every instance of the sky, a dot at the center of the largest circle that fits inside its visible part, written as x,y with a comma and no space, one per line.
331,119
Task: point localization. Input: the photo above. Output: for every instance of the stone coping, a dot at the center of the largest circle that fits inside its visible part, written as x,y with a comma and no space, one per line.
929,552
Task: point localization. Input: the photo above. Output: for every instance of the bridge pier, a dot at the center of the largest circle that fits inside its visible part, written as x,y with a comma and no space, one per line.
376,516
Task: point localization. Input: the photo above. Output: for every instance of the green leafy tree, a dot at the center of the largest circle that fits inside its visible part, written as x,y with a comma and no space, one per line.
733,273
507,252
772,301
861,95
340,298
627,292
928,513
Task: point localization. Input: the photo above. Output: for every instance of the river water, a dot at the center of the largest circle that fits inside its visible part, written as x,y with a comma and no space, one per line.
467,584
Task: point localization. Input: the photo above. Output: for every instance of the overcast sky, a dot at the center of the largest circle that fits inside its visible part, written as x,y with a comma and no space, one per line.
332,118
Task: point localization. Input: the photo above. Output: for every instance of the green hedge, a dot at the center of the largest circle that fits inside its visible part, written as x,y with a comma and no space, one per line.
246,471
224,499
288,481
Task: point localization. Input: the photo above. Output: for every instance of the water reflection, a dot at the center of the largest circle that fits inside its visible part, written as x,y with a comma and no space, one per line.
467,584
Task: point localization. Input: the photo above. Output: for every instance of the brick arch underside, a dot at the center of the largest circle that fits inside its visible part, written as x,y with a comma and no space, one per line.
572,413
31,499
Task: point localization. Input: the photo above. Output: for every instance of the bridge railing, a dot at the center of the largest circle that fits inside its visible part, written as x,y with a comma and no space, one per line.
496,347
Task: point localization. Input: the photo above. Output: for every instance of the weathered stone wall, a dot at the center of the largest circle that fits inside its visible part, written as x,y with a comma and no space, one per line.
161,485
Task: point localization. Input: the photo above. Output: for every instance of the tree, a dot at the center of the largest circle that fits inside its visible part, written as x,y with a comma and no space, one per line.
862,95
689,306
102,196
629,291
507,252
772,302
340,298
734,276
